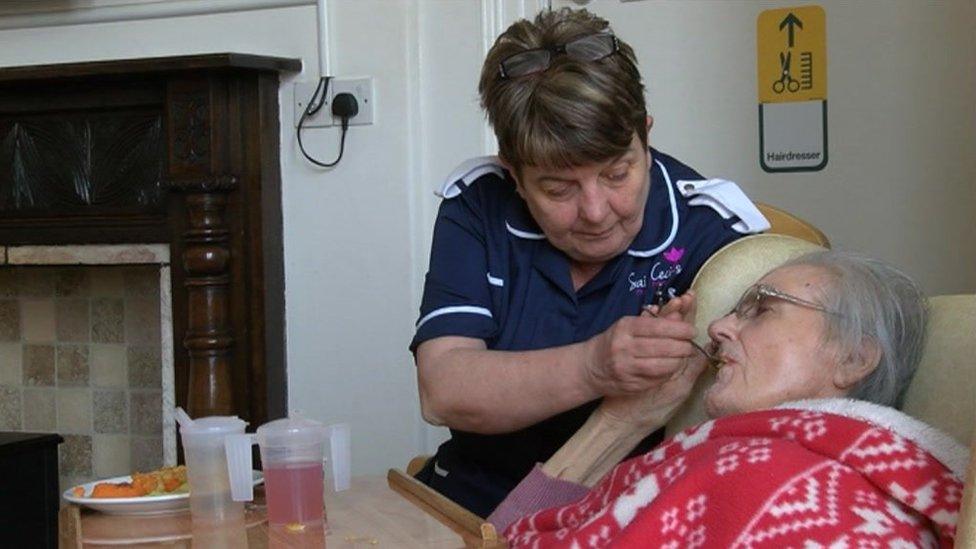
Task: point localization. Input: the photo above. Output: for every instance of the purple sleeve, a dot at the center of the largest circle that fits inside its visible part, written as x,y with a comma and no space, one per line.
536,492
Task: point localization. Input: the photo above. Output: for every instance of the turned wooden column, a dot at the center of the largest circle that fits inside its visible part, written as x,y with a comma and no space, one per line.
206,257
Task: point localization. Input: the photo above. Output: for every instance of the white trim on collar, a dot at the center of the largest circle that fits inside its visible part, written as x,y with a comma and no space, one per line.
524,234
674,218
467,172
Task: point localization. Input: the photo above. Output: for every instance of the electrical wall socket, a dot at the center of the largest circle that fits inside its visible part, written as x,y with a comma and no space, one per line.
303,94
361,88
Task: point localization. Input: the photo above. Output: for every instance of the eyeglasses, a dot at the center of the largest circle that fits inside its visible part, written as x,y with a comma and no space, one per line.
591,47
750,301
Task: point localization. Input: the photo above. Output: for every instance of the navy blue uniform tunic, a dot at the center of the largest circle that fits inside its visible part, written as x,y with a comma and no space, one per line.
494,276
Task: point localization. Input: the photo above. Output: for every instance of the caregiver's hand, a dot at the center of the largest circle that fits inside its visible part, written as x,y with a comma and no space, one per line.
638,353
653,407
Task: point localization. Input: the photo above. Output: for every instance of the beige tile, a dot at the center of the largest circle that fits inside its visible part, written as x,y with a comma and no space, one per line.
11,360
75,411
111,456
107,316
36,281
108,365
141,281
71,320
106,281
111,411
8,282
147,453
146,412
142,321
37,320
145,370
72,365
10,408
72,282
40,410
38,365
9,320
75,456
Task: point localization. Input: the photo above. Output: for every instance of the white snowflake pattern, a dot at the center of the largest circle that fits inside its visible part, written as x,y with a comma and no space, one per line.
673,544
727,464
697,537
866,498
812,424
759,455
815,429
696,508
675,470
730,447
669,520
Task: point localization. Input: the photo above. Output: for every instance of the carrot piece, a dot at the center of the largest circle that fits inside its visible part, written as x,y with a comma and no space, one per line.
119,490
78,491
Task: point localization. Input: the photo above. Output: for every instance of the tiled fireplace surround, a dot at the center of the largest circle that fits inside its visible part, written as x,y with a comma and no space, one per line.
86,351
164,165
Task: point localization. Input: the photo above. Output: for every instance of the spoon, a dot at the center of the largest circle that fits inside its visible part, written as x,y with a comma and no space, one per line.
713,360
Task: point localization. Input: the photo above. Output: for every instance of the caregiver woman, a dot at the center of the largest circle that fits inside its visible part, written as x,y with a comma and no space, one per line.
543,257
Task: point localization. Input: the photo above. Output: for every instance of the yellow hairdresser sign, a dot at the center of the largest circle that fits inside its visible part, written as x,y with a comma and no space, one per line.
792,54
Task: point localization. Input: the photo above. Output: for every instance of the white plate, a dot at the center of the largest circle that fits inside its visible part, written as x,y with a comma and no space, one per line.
146,505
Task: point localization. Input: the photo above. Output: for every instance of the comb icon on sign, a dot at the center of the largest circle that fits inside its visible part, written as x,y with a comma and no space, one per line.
806,70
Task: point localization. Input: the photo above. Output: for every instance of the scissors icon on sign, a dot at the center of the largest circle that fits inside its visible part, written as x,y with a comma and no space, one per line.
785,82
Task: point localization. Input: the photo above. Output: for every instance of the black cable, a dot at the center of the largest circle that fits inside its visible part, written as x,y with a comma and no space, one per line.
313,108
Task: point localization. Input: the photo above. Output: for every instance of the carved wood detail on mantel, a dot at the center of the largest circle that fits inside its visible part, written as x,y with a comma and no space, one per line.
177,150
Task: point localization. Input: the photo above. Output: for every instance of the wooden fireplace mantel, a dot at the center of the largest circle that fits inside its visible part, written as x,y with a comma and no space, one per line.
176,150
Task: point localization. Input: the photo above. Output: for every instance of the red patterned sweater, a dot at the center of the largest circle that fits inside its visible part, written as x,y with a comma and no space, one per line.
832,473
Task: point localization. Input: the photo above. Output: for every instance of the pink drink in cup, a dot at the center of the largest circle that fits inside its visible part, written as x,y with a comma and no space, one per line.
294,494
292,452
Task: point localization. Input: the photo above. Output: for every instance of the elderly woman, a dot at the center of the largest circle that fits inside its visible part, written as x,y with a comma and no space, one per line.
805,448
543,256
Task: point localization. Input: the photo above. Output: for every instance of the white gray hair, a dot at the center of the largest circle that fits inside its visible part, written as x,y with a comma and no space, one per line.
875,303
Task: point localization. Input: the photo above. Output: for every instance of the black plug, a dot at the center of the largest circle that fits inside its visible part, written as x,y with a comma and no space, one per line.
345,106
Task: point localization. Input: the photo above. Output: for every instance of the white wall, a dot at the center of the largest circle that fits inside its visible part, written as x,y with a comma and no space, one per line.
357,237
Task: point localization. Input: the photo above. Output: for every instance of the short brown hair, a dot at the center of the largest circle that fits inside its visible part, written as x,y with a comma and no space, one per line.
572,114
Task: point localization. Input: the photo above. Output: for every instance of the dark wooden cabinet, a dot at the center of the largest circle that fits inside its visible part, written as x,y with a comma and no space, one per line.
29,496
176,150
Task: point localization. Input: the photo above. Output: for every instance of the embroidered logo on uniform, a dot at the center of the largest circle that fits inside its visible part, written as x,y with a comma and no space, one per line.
661,273
637,283
674,255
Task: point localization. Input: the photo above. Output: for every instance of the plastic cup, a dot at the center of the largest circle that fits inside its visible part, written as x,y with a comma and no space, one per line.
292,453
206,469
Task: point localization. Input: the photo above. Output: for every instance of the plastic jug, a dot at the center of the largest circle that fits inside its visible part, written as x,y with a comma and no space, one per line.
206,468
292,451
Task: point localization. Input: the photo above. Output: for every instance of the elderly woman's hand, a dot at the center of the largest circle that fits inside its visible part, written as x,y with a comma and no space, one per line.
640,353
653,407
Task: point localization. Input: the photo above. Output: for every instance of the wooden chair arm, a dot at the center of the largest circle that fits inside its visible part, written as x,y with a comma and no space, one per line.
966,532
473,529
416,464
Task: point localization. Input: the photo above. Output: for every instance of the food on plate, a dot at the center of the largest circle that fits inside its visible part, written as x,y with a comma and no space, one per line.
161,482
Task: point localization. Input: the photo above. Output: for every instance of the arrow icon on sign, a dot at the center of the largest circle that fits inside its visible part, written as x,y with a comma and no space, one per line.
790,22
